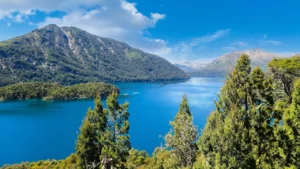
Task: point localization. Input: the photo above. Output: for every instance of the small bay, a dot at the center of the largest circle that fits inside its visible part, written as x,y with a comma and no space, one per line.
33,130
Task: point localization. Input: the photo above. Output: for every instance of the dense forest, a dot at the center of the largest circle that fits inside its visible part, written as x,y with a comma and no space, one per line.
54,91
256,125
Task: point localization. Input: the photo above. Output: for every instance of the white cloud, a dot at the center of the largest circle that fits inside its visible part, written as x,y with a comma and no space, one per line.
157,16
188,50
240,43
209,38
270,42
228,48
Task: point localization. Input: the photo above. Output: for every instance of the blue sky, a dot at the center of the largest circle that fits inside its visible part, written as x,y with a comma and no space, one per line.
196,30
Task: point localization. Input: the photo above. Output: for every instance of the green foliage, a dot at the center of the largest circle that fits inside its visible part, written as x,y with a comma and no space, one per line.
285,72
104,139
137,159
70,162
162,159
89,146
117,144
291,130
182,139
27,90
244,131
54,91
82,91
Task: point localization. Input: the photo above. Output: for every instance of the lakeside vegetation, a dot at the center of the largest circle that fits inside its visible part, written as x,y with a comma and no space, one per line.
54,91
256,125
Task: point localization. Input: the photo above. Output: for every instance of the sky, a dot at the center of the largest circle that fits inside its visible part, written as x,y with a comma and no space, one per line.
177,30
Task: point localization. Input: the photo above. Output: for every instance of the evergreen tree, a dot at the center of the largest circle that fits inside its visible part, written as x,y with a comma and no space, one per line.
234,148
117,144
182,138
89,146
261,132
233,112
137,159
211,141
291,129
240,134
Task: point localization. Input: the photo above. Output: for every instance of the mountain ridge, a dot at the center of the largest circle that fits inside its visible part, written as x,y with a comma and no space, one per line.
188,66
69,55
226,63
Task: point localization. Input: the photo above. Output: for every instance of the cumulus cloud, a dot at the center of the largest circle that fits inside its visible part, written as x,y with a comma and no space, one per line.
117,19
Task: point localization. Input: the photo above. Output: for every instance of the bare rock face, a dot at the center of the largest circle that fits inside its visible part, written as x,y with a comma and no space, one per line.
68,55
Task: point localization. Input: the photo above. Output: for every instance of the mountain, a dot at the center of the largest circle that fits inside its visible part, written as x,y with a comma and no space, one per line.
188,66
68,55
226,63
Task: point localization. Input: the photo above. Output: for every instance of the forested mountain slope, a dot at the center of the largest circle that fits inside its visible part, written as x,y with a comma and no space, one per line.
68,55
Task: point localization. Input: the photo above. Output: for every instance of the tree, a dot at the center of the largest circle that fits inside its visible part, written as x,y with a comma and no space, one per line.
231,117
285,71
240,133
116,142
182,139
137,159
162,158
291,129
89,146
211,141
262,130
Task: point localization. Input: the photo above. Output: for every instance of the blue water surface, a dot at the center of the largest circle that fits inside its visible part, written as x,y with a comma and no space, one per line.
34,130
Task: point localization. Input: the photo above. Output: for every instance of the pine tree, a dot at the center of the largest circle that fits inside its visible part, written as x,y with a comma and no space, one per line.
182,138
117,144
89,146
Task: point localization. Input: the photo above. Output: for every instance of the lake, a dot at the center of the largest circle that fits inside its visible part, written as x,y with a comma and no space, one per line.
34,130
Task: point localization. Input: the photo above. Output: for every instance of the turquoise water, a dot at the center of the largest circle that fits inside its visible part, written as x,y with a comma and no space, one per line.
37,130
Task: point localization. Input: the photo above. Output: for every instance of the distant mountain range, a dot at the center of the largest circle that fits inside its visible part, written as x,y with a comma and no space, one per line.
189,67
226,63
68,55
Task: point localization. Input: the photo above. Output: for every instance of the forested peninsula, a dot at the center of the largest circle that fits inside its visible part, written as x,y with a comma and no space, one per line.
55,91
255,125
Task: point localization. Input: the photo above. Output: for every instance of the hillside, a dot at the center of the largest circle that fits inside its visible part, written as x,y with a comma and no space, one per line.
68,55
224,64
